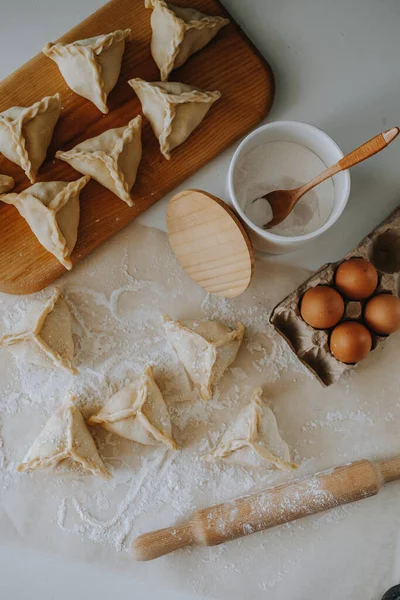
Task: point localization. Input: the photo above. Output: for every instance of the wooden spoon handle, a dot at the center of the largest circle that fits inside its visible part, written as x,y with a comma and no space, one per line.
271,507
378,143
368,149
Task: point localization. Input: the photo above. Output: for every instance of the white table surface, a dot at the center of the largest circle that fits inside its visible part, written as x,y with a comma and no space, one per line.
337,67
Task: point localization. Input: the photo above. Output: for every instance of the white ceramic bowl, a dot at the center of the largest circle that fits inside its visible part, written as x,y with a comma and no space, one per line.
323,146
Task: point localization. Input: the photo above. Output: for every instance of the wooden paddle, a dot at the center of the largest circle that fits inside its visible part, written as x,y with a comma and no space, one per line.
271,507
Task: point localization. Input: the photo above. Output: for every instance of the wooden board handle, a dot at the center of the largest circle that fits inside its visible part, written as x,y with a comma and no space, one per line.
271,507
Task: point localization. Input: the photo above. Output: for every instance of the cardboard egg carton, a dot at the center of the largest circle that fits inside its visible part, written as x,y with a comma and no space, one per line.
382,249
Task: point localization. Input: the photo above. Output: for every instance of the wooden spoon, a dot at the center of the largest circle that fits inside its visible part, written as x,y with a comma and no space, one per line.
282,202
271,507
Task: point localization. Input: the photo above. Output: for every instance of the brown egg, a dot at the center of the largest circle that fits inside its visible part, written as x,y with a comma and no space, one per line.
322,307
382,314
356,278
350,342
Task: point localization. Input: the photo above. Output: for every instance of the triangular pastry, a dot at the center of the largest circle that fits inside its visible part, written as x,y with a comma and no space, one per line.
51,210
6,184
44,337
91,67
138,413
65,437
25,133
253,440
173,109
112,158
178,33
205,348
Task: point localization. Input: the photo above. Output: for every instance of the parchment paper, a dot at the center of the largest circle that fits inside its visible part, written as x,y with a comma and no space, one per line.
117,297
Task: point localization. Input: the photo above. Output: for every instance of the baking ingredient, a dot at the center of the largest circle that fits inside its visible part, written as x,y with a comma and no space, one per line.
178,32
44,335
138,413
283,165
25,133
173,109
322,307
6,184
253,439
356,278
91,67
111,158
350,342
65,437
205,348
382,314
52,211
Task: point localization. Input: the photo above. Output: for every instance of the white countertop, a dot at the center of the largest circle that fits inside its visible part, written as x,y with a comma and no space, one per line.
336,66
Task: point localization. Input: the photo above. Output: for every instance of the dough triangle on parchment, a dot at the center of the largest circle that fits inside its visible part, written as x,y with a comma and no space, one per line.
25,133
173,109
205,348
178,33
65,437
138,413
44,336
112,158
52,211
91,67
253,440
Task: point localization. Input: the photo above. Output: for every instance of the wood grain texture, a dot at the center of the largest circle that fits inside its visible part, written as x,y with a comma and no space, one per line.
210,243
271,507
229,63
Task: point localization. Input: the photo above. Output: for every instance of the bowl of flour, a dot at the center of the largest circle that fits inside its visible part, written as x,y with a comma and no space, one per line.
285,155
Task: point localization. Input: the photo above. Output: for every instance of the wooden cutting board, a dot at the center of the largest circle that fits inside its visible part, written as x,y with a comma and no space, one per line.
230,63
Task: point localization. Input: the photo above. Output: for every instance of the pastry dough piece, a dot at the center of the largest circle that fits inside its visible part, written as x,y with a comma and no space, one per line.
138,413
173,109
65,437
44,337
205,348
6,184
178,33
51,210
112,158
253,440
25,133
91,67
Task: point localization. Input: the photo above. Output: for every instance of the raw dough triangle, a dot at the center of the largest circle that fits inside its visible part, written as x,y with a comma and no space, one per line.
44,337
138,413
112,158
178,33
51,210
6,184
25,133
173,109
253,440
65,437
205,348
91,67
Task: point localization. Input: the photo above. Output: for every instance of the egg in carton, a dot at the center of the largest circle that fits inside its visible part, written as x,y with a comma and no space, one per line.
382,249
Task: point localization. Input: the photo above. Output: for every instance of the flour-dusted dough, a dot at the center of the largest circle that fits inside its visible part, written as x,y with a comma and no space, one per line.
65,437
25,133
91,67
6,184
112,158
138,413
44,336
51,210
253,440
173,109
205,348
178,33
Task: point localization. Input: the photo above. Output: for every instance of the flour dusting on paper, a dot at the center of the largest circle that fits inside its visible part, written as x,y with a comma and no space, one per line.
117,298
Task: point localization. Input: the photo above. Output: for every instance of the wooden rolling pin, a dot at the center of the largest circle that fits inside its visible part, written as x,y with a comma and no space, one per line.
271,507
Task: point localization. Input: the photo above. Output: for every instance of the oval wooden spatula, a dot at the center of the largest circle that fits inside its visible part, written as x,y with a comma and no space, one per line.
271,507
